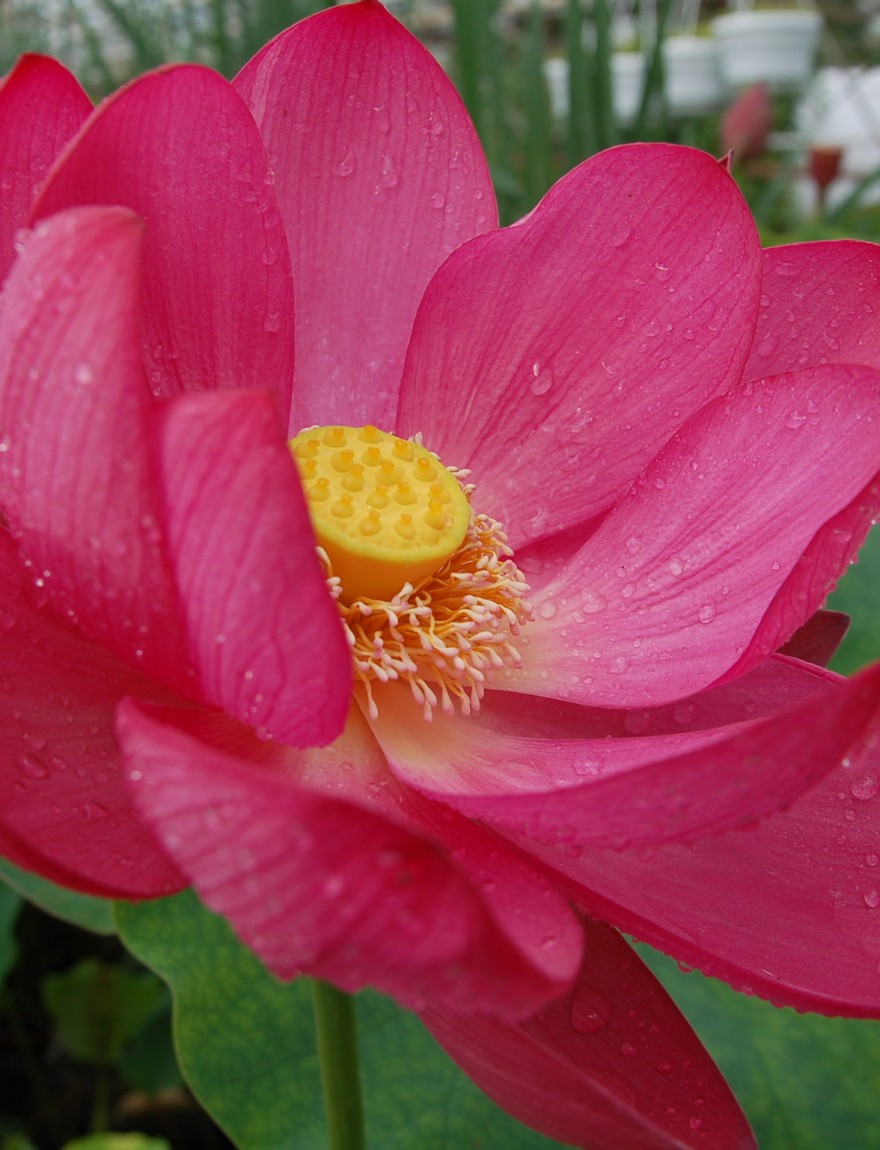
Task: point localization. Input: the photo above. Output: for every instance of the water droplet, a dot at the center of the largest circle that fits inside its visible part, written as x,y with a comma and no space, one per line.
620,233
548,609
589,1011
628,1050
707,612
32,767
542,382
684,712
334,886
865,788
388,176
872,898
588,766
592,602
676,565
94,811
346,164
83,374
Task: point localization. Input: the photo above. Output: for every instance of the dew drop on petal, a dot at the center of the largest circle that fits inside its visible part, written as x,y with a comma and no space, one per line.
542,383
865,788
32,767
333,886
589,1011
592,602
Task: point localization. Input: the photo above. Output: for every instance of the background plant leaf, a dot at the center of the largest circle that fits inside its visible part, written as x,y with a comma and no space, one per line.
111,1141
858,596
99,1008
10,905
94,914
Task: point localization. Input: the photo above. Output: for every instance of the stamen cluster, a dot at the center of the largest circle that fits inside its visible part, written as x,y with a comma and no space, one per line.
445,634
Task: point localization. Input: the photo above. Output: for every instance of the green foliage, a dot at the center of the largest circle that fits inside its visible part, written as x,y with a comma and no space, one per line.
94,914
105,42
111,1141
857,596
99,1008
10,904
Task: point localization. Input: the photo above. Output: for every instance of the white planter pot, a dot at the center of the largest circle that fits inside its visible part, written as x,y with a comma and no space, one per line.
839,109
777,47
556,78
692,75
627,82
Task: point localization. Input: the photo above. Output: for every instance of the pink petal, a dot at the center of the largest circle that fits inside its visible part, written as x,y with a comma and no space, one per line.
786,909
380,175
75,476
41,107
66,813
556,357
316,881
613,1065
818,305
179,147
264,633
818,639
726,545
562,774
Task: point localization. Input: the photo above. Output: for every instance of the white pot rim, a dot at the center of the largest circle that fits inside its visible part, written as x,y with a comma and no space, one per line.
785,19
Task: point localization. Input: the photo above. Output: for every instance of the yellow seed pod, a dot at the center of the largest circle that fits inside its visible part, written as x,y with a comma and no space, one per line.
385,510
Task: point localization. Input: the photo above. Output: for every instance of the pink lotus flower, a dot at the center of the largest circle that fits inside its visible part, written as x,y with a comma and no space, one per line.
746,123
680,435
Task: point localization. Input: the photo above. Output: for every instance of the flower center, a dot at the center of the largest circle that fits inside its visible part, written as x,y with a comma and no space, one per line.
385,510
427,590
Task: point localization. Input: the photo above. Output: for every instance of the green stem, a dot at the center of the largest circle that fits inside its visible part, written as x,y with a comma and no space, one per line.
338,1058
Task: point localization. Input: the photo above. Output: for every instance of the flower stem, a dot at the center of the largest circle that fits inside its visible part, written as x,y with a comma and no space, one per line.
338,1058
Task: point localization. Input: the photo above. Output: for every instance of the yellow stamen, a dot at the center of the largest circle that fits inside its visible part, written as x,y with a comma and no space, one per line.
385,510
446,636
428,592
